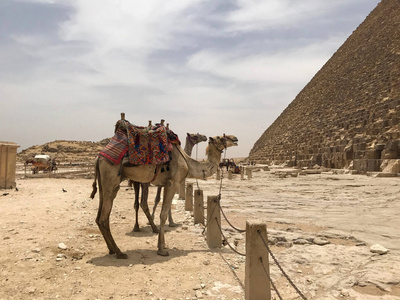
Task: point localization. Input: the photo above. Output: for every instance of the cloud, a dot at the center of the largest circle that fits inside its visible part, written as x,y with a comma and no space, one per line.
259,15
288,66
208,66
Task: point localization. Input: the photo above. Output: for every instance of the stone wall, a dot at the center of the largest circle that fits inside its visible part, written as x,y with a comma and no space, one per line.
349,113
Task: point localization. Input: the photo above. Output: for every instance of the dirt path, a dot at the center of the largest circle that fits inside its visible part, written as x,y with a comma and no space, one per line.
351,212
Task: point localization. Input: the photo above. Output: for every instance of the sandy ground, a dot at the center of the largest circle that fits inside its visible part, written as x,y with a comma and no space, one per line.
351,212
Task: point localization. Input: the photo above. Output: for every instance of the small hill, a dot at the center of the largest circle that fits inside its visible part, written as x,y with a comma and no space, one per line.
65,151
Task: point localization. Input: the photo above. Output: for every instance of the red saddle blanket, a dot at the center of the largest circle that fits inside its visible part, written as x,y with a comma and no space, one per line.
142,145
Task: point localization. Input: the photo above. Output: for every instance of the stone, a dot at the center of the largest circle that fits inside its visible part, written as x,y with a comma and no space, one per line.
62,246
321,242
379,249
301,242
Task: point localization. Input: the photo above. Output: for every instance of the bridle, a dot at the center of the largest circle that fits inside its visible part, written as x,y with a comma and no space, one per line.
223,140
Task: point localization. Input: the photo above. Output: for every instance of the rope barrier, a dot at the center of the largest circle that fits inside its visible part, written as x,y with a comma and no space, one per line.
226,219
280,268
208,220
270,280
234,250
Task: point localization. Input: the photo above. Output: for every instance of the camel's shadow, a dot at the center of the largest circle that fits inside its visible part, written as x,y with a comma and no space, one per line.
146,231
141,256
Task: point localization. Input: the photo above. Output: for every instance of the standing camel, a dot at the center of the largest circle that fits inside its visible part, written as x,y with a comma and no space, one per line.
110,176
191,140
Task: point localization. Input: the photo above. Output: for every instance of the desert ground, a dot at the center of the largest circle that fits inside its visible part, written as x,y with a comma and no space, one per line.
322,228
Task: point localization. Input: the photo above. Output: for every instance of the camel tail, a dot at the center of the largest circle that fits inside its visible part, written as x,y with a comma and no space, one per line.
96,172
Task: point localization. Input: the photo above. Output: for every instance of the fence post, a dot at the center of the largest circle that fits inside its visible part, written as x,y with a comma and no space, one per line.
189,197
214,238
182,190
198,207
257,283
242,173
249,174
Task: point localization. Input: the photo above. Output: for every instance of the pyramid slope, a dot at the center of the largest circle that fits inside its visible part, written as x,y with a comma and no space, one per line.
349,112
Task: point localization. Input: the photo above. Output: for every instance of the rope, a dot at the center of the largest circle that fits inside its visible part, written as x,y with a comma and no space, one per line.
270,280
279,266
237,229
220,229
219,198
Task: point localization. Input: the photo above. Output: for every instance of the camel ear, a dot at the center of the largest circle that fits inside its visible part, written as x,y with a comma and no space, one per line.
187,133
210,139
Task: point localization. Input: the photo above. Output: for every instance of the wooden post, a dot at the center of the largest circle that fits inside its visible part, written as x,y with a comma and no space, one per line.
257,284
242,173
230,174
214,238
182,190
218,174
248,172
189,197
198,207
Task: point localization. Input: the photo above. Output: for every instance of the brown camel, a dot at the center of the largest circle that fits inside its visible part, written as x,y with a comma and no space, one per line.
191,140
181,166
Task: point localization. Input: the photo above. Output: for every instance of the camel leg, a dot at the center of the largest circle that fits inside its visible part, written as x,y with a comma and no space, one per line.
169,192
108,188
136,187
170,220
144,205
156,200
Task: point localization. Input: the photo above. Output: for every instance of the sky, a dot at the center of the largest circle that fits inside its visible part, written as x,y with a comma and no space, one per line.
68,68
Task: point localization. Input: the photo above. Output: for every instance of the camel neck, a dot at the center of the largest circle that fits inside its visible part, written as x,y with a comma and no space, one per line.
214,155
188,146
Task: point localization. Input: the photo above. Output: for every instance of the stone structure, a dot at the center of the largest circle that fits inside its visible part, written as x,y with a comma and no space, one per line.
348,114
8,164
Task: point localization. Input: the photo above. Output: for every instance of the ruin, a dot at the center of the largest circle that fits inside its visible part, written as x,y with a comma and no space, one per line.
348,115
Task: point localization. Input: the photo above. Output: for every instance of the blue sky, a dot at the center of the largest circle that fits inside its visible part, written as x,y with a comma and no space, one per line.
68,68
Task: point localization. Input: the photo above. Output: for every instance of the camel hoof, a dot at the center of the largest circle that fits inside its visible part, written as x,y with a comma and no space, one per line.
172,224
122,256
136,229
155,230
162,252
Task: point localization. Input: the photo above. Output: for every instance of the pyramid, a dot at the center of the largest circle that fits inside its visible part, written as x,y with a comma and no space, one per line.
348,114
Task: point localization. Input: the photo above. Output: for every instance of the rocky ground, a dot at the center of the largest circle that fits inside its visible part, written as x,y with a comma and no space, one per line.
322,228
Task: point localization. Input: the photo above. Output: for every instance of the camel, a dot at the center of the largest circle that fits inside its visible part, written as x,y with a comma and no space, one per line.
191,140
108,177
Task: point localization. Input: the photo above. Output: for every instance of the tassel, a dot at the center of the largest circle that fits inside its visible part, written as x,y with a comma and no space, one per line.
161,148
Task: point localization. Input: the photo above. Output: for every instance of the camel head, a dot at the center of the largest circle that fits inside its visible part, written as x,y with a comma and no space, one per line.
222,142
196,138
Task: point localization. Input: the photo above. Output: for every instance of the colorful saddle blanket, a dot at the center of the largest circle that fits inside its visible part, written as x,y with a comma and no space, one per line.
142,145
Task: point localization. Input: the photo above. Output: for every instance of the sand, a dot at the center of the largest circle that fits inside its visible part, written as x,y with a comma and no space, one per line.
347,213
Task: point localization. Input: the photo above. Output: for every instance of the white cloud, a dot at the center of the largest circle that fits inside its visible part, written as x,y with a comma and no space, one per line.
288,65
260,14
